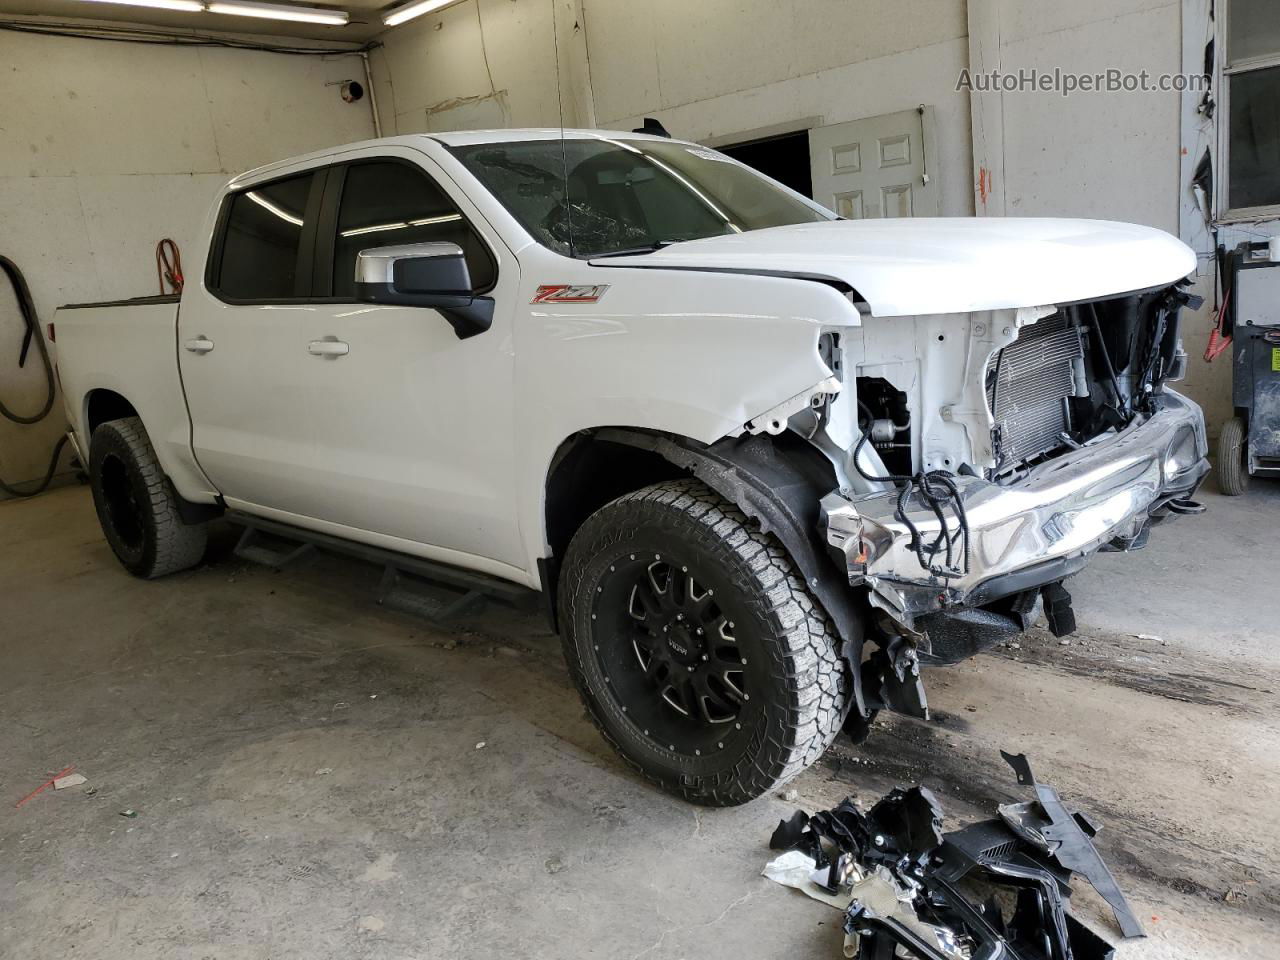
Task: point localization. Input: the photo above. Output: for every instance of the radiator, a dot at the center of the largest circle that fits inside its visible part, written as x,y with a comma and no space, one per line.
1035,378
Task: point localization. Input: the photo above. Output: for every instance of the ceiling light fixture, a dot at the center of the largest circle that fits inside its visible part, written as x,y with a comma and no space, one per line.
187,6
278,11
411,10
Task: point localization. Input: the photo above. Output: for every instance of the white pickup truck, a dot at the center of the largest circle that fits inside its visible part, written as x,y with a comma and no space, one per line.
763,463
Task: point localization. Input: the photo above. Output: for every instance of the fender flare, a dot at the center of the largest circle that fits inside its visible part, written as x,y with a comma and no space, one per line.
773,490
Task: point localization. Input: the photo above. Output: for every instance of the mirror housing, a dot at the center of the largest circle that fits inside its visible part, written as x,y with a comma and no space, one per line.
433,275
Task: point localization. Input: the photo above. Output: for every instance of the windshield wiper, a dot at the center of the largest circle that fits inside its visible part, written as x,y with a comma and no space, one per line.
631,251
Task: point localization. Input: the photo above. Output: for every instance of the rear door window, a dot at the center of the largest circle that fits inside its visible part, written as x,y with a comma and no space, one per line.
386,203
262,245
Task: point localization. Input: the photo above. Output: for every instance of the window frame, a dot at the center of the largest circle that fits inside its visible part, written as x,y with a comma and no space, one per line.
304,276
1225,71
318,242
326,240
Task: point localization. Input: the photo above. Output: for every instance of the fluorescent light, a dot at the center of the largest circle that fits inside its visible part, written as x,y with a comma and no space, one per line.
411,10
376,228
443,218
404,225
278,11
188,6
270,207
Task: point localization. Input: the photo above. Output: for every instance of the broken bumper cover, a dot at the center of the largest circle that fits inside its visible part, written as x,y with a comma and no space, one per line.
1032,532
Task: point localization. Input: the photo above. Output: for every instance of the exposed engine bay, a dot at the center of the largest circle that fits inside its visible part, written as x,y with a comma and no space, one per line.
1033,383
983,458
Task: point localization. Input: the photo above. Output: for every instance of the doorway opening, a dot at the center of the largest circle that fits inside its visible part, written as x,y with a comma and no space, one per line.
785,158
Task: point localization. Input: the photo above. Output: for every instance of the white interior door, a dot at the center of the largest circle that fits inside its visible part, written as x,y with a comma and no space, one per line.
876,167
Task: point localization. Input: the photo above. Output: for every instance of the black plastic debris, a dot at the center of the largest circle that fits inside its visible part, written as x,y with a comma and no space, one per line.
999,888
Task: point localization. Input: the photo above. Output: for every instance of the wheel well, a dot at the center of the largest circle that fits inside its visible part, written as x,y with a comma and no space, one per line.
106,405
776,481
587,473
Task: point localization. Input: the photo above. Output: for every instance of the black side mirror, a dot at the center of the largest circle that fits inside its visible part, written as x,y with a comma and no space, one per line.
431,275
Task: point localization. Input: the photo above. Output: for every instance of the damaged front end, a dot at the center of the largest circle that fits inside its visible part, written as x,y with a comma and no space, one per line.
998,888
986,457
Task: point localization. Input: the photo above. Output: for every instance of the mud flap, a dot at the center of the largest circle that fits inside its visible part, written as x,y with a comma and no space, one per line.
891,680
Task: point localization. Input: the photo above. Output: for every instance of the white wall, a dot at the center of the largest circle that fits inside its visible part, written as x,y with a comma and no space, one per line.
107,147
476,65
1108,155
709,70
1114,156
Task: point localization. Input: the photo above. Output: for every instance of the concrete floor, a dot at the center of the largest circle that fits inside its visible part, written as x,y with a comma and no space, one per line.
315,776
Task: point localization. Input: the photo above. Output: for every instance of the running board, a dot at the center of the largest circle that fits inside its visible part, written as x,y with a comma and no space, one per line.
425,588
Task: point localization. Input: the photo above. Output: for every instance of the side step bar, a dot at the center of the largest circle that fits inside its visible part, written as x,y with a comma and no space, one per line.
436,591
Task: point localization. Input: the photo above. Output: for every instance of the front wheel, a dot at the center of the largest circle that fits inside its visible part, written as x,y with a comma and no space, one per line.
700,653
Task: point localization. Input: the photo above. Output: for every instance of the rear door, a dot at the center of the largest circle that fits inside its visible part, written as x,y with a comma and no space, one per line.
241,352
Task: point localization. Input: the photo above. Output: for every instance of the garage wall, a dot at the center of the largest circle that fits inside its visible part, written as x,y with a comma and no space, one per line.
711,70
1112,156
107,147
476,65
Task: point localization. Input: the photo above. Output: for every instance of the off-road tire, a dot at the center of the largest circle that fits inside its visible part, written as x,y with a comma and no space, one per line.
136,504
1233,475
797,685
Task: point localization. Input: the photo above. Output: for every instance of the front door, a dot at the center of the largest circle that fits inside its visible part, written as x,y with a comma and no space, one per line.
877,167
369,421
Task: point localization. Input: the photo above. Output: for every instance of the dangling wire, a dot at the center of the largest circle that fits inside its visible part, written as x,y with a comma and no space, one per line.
168,266
938,490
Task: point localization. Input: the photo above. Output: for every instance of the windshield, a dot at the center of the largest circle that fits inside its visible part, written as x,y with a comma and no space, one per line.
628,195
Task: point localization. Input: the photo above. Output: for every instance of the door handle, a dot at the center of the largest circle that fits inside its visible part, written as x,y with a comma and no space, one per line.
200,344
328,348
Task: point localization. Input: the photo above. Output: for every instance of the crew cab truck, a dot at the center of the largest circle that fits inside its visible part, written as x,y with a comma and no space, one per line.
766,464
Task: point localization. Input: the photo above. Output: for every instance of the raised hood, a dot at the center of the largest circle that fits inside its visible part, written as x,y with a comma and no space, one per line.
947,265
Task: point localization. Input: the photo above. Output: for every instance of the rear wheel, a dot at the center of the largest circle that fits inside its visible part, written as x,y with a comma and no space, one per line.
136,505
1233,472
700,653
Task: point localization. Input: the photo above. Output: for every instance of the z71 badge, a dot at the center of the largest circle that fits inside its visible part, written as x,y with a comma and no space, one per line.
569,293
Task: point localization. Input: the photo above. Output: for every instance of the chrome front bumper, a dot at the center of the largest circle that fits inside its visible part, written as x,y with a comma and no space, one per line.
1029,533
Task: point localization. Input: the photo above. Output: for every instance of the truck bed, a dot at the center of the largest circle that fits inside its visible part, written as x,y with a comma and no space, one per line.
128,349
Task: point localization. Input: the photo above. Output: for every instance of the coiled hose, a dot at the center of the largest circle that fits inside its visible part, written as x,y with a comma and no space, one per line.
27,308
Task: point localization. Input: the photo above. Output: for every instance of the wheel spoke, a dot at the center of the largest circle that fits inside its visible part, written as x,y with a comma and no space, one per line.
645,602
732,680
712,706
674,696
659,576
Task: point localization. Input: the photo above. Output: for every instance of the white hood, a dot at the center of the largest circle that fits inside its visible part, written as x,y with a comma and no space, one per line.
948,265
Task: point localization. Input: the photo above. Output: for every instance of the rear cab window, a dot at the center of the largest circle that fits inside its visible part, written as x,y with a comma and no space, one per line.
261,250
